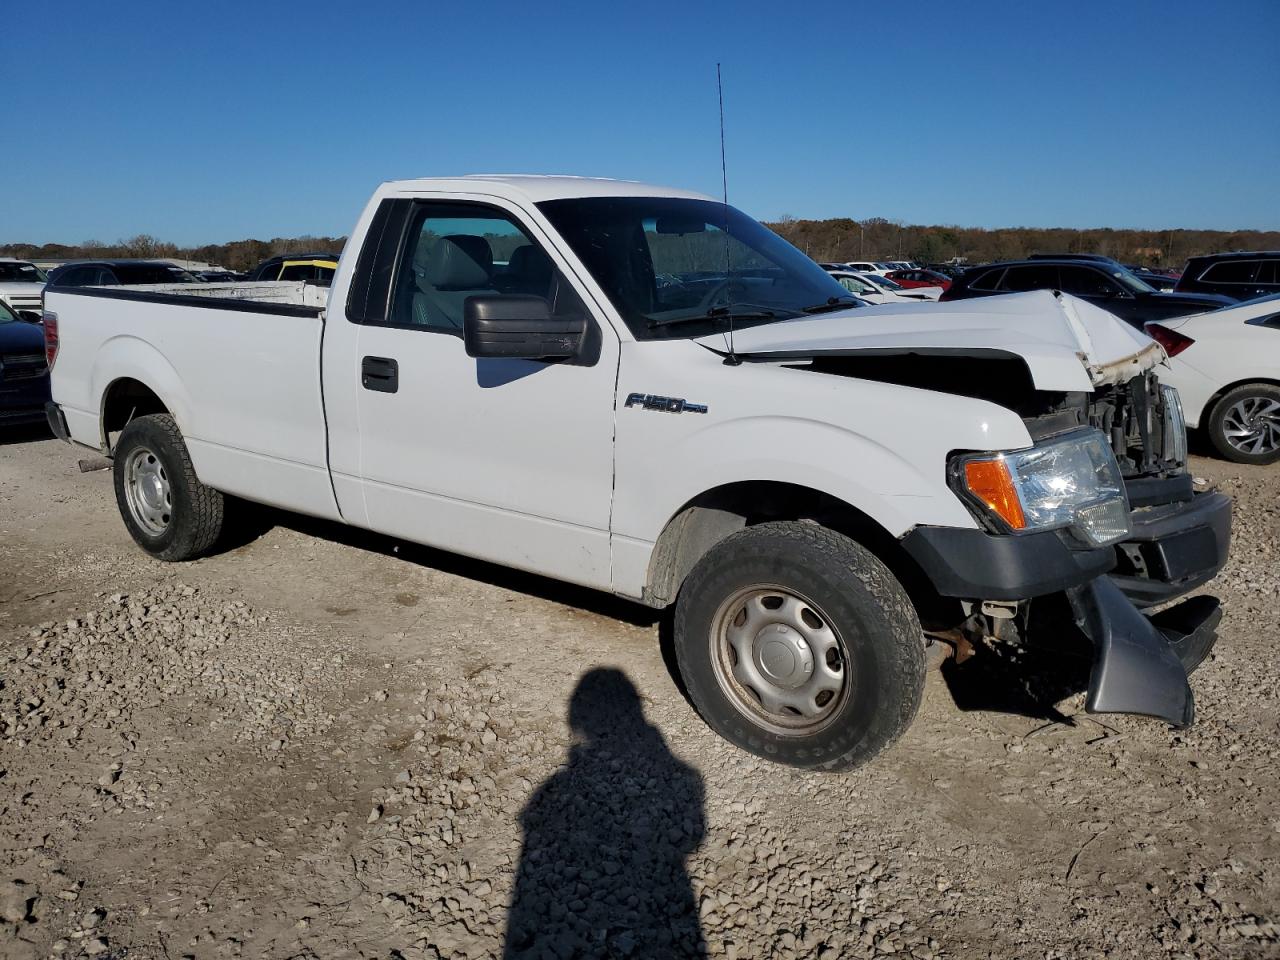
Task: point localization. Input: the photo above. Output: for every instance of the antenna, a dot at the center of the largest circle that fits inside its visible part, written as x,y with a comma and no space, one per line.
732,358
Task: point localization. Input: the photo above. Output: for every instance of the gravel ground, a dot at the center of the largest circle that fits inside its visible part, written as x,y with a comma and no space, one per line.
323,744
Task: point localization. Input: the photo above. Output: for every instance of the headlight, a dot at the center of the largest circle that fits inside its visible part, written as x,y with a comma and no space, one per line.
1175,426
1072,482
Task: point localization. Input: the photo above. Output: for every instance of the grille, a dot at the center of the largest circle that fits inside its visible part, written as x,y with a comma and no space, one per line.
22,366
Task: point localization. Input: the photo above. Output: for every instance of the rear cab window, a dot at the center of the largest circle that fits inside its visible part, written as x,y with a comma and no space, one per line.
1232,271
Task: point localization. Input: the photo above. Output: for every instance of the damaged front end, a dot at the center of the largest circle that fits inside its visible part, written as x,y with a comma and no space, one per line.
1074,374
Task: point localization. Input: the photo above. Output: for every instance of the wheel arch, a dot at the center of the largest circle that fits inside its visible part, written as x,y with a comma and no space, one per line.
128,370
711,516
124,399
1221,392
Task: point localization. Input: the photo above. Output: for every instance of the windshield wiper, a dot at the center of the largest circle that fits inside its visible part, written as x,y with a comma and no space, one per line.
717,313
833,303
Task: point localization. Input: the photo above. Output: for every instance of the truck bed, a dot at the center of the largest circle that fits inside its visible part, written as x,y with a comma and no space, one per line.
255,346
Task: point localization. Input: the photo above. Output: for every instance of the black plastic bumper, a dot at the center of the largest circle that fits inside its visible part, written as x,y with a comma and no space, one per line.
1140,663
1174,549
976,565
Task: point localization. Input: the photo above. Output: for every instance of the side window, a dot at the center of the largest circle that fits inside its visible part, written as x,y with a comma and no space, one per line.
1084,282
1268,272
989,280
1232,271
455,251
105,278
75,277
1031,278
854,285
298,271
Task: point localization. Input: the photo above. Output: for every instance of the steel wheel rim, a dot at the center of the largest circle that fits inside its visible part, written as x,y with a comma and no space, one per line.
779,660
147,491
1252,425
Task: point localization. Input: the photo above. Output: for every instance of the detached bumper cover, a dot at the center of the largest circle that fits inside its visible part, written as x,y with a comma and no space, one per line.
1140,664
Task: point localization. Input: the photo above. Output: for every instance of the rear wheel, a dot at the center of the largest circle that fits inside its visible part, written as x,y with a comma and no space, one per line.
1244,425
167,510
799,645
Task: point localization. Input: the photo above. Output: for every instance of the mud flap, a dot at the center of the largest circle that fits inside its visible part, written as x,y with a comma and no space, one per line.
1136,669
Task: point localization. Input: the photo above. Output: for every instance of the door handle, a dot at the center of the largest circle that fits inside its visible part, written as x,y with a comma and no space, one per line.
381,374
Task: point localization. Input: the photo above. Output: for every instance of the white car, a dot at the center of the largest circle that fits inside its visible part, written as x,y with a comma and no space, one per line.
1226,366
21,285
909,293
874,288
498,371
865,266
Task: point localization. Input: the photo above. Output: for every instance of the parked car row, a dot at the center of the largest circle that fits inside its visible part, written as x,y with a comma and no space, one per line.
1223,355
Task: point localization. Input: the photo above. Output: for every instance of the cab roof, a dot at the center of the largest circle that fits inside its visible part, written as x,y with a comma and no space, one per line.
537,188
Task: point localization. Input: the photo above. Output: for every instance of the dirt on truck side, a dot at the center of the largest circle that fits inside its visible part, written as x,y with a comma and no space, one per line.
322,743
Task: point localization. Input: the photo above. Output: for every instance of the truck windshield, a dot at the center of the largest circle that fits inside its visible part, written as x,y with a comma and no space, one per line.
676,267
20,272
1133,282
7,315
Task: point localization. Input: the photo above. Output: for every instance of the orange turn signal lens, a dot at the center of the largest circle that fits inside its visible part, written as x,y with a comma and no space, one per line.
990,482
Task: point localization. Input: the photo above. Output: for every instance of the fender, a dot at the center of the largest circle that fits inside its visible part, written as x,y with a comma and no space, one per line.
128,357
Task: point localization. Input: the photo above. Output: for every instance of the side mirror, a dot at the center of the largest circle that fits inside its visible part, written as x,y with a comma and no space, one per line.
519,327
30,316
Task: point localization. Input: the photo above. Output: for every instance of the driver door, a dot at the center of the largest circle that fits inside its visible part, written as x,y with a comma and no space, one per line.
505,460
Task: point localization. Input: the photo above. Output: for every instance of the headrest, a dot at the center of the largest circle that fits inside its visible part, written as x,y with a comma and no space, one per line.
530,261
459,262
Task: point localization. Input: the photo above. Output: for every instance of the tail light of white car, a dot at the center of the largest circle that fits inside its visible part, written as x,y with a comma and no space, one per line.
1172,341
50,337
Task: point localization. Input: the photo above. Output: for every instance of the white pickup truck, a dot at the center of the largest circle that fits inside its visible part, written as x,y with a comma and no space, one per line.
645,391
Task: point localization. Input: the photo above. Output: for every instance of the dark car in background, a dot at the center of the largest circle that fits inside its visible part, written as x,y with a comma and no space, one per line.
1154,279
1240,275
1100,280
24,370
112,273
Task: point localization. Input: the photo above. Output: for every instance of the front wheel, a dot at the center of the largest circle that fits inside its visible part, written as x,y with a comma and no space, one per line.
1244,424
798,645
166,509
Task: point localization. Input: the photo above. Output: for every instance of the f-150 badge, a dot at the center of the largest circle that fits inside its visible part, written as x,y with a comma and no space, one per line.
665,404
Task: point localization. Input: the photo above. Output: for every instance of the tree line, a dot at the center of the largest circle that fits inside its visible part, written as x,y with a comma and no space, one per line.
238,255
841,239
837,239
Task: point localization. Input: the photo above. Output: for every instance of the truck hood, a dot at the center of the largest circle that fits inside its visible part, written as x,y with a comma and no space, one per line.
21,286
1066,343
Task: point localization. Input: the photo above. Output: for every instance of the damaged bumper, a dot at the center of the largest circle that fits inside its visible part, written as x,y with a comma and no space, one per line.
1141,663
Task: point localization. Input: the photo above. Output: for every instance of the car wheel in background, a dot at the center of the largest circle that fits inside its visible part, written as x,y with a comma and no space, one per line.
1244,425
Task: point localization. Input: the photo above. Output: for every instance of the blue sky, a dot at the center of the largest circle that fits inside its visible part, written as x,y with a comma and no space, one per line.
218,121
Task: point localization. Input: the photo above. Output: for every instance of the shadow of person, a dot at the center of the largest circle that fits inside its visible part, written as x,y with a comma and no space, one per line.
602,867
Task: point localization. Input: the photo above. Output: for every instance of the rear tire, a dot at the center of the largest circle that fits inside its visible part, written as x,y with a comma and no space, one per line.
797,644
1246,417
166,509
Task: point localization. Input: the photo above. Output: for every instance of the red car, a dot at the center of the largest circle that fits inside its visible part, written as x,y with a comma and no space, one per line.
919,278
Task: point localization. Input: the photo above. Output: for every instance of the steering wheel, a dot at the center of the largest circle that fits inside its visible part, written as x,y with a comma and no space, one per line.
709,298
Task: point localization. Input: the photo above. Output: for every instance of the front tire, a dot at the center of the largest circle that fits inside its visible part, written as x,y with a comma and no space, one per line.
166,509
1244,425
797,644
